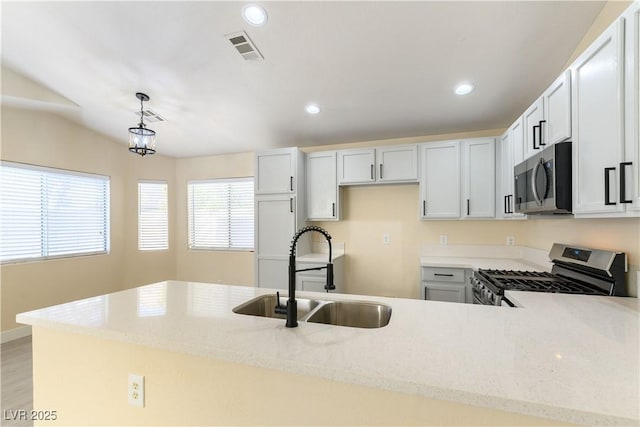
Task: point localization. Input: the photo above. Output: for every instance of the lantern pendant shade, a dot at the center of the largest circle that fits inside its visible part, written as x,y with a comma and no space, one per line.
142,141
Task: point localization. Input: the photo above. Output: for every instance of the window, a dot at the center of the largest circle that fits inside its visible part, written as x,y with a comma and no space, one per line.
221,214
48,213
153,216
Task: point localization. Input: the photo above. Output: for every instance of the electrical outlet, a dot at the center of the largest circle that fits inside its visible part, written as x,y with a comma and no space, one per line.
136,390
444,239
385,239
511,240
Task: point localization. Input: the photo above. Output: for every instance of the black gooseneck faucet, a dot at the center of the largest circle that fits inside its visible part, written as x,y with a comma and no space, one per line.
291,309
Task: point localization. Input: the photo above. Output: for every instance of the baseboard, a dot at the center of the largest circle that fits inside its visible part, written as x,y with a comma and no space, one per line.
14,334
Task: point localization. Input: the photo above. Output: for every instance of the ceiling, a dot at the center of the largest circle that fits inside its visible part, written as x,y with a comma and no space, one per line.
378,70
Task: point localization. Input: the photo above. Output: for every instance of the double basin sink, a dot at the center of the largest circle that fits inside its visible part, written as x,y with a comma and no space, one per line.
356,314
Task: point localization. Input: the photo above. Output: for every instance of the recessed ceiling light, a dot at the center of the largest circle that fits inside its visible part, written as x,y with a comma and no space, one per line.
312,109
464,89
254,15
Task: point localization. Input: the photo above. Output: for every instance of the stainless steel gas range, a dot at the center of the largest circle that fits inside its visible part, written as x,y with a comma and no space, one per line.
575,271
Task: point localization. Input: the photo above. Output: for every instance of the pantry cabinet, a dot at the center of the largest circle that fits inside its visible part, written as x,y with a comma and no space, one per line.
322,187
279,205
394,164
440,180
598,124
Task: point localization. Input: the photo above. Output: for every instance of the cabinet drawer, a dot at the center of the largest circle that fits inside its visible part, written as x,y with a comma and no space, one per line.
443,274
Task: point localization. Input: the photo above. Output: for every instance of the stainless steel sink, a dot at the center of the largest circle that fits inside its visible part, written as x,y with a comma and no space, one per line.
356,314
264,306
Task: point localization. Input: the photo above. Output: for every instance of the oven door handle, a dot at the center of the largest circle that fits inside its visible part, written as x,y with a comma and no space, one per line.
534,187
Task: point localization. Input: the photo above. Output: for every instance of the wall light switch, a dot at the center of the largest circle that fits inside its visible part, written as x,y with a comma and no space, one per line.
136,390
444,239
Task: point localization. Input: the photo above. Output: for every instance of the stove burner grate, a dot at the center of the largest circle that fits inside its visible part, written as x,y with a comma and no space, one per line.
536,281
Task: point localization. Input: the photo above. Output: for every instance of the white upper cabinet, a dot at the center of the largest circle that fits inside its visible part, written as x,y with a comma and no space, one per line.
397,164
598,123
478,172
630,169
276,171
532,129
556,126
322,187
393,164
548,120
357,166
516,137
440,180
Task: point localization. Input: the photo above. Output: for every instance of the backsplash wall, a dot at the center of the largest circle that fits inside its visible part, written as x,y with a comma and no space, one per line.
373,268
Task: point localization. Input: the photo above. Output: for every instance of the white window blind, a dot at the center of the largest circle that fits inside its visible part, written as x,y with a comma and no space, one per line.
48,213
153,216
221,214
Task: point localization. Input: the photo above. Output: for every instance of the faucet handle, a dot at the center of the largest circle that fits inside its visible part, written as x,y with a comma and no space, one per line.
329,286
279,308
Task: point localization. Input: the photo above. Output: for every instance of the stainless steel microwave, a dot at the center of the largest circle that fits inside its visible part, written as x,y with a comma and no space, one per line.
543,182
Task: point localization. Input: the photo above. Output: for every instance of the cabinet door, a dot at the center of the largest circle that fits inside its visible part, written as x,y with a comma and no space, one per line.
312,284
275,171
506,176
272,273
597,121
322,187
397,164
532,133
356,166
440,182
516,135
632,108
479,178
275,225
556,126
444,292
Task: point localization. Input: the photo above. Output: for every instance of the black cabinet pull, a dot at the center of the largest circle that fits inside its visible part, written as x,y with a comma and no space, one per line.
607,174
371,171
505,208
534,137
380,170
443,275
333,209
623,182
424,208
291,183
291,204
468,207
540,141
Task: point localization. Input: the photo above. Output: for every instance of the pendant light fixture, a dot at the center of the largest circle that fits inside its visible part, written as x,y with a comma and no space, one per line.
142,140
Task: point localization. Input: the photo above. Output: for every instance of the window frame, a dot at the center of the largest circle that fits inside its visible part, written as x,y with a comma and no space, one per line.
189,215
159,182
106,212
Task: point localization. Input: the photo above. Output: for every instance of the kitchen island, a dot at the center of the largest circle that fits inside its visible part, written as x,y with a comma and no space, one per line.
556,358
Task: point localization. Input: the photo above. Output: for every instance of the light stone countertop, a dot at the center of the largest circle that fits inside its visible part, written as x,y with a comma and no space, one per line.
567,357
485,257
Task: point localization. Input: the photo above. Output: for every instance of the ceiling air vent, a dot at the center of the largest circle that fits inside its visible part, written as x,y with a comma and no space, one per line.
151,116
245,46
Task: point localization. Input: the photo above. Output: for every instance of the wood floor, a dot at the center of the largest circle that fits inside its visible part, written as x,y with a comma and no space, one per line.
17,383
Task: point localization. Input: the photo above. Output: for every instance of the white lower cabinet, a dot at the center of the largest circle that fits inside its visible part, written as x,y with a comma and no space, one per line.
315,280
444,284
